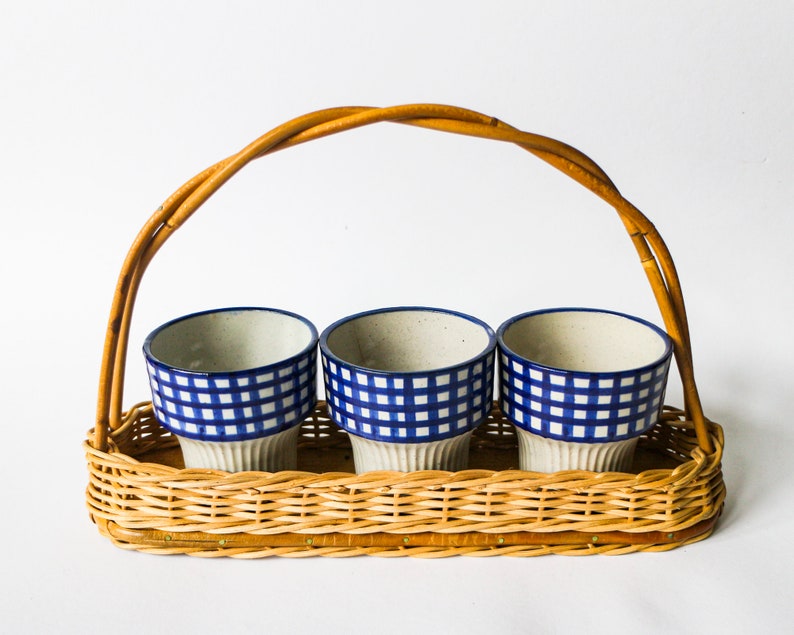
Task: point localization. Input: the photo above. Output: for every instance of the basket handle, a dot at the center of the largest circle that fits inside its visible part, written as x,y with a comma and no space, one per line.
652,251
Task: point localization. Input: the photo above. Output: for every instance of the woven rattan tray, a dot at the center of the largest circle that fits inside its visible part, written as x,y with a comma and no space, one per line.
141,497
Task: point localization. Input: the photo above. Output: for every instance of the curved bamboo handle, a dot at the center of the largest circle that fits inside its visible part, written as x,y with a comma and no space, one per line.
653,252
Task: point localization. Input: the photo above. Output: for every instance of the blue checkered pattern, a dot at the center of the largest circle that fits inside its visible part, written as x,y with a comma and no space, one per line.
409,407
234,406
580,406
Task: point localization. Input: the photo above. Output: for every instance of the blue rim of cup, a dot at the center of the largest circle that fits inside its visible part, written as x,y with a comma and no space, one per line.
584,431
412,431
247,423
400,309
509,322
147,343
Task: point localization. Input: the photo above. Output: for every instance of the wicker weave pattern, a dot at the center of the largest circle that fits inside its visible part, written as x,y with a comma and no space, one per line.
481,512
141,498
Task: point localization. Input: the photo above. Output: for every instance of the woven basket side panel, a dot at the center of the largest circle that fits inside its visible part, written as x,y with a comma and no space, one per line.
142,496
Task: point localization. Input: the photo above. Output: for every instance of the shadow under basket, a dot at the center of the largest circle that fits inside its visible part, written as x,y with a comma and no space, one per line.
141,497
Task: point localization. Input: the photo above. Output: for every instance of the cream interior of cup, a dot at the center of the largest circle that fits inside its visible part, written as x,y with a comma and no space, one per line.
227,341
588,341
407,341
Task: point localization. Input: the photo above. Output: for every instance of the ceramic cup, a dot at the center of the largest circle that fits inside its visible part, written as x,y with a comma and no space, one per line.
233,385
409,384
581,385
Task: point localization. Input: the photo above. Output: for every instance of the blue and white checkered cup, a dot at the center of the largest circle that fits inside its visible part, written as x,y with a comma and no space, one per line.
581,386
409,384
233,385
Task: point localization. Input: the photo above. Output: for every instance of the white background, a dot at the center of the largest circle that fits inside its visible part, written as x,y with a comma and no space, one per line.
107,107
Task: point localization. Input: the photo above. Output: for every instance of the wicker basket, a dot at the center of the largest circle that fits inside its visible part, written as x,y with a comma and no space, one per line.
141,497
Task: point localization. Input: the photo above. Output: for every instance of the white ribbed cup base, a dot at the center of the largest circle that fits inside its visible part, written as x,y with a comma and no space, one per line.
539,454
267,454
448,454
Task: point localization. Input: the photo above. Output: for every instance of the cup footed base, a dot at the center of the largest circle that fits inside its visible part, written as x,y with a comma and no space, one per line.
447,454
539,454
272,453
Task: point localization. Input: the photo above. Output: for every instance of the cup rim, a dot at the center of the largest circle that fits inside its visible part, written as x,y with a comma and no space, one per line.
488,349
147,344
500,333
